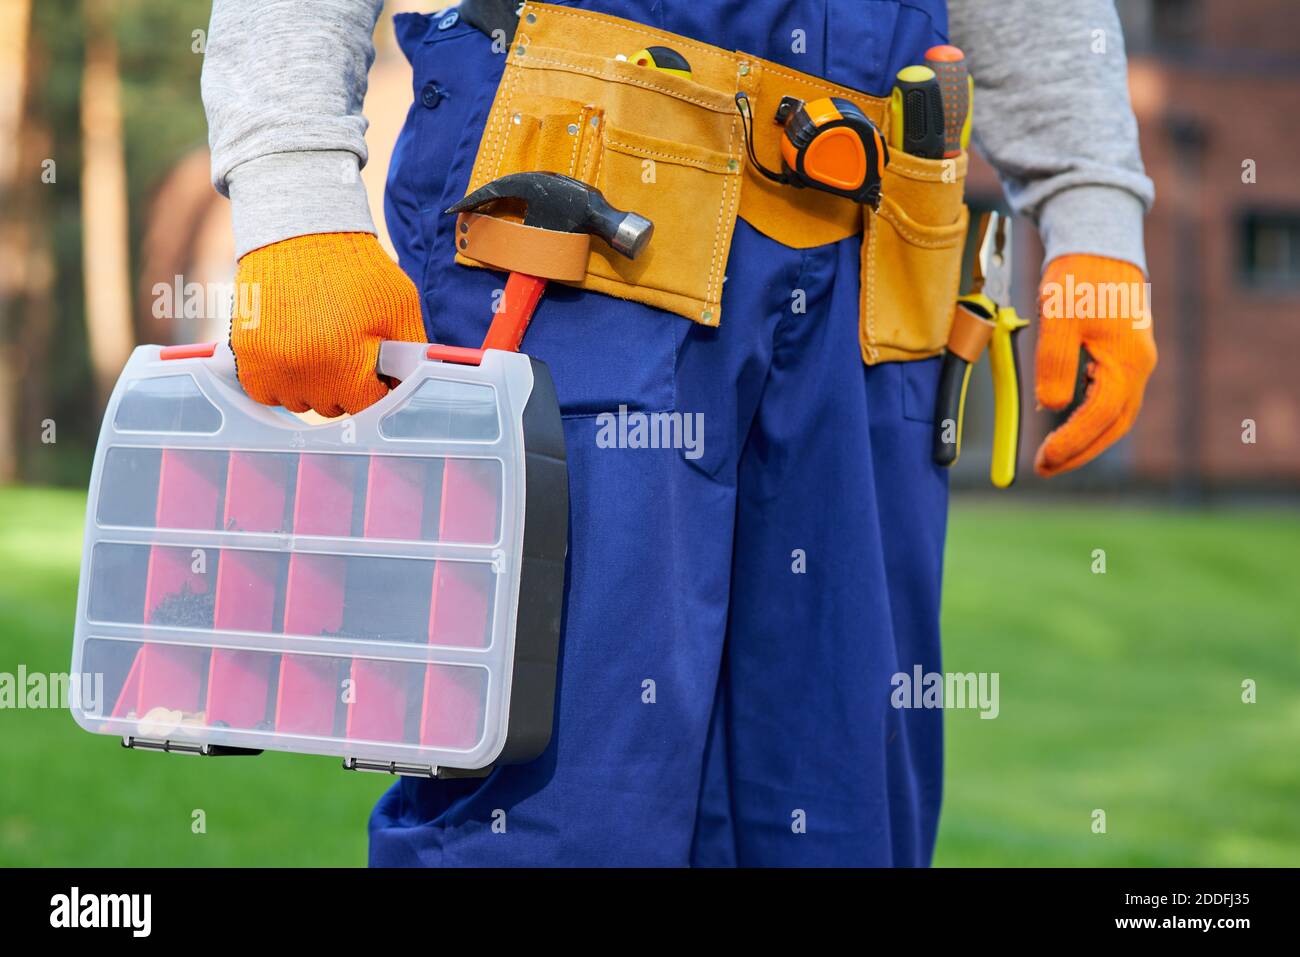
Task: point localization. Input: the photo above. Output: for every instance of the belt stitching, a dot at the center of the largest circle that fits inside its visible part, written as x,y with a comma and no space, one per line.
687,160
588,71
869,282
705,48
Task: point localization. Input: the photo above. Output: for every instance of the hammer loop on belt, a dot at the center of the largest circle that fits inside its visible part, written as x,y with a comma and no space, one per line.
514,247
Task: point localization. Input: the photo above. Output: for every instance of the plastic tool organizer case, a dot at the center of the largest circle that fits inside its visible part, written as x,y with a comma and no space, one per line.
385,587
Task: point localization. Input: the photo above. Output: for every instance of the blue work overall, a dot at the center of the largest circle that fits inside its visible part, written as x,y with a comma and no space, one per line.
735,611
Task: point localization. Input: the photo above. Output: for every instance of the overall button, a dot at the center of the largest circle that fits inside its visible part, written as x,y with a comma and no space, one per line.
449,21
431,95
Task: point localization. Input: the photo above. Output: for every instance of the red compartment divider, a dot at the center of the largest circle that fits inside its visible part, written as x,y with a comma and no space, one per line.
165,676
382,691
451,714
462,604
189,488
324,498
171,570
395,496
238,684
463,591
308,691
471,501
190,483
170,676
129,696
239,681
257,487
257,484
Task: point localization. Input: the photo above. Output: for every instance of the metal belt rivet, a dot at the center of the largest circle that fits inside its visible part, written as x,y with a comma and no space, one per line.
573,129
531,18
744,69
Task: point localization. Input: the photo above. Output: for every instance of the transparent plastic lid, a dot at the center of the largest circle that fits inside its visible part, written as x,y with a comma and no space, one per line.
348,588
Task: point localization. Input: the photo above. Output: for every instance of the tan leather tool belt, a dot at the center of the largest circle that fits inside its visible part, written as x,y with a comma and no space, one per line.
673,149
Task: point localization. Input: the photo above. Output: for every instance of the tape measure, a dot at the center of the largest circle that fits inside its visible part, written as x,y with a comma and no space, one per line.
827,144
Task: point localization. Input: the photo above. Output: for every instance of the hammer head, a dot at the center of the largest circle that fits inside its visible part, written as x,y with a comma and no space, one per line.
562,203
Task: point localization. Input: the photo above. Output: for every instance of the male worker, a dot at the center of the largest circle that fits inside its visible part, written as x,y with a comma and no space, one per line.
732,620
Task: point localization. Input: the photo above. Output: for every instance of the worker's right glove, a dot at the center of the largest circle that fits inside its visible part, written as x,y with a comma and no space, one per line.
307,334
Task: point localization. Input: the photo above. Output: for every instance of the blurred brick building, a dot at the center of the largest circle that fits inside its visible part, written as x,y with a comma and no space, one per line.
1215,86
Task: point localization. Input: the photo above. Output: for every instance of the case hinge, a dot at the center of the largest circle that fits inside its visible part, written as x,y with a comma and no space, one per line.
390,767
185,747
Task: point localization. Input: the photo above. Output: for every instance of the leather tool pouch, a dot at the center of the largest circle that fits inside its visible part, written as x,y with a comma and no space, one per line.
672,149
664,146
911,258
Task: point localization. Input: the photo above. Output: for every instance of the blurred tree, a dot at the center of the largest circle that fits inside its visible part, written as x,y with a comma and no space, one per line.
104,204
14,19
155,48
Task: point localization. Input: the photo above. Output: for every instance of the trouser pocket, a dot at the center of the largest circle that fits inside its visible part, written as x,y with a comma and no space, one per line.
911,258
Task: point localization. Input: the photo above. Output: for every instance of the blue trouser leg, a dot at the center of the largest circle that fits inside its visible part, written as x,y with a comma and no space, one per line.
646,600
835,587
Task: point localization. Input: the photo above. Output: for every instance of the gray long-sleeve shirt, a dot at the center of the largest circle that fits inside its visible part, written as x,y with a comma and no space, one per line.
283,82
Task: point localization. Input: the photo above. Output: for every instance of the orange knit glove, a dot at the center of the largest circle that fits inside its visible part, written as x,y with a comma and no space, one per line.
1100,304
308,333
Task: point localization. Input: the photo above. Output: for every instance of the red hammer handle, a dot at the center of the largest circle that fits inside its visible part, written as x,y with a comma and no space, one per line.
511,321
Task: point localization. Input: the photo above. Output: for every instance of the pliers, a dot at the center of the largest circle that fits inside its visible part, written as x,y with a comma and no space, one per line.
984,317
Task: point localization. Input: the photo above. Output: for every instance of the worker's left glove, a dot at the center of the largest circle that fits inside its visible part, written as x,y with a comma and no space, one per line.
1102,305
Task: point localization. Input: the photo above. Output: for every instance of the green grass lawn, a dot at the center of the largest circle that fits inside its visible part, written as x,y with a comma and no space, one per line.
1119,692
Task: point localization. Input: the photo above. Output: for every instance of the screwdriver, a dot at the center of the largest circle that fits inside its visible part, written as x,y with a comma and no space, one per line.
955,86
916,105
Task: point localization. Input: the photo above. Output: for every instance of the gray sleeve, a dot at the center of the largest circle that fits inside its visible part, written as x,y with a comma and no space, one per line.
283,82
1052,114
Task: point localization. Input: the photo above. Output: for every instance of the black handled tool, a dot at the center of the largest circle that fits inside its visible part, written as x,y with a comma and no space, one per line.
916,108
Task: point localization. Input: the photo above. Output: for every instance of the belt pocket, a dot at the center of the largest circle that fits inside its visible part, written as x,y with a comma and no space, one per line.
690,194
553,134
911,258
657,144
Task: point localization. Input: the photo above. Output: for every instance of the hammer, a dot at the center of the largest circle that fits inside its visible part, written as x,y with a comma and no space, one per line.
562,204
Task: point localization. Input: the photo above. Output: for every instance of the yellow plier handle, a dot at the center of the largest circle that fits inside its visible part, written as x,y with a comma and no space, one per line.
1000,327
1004,363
